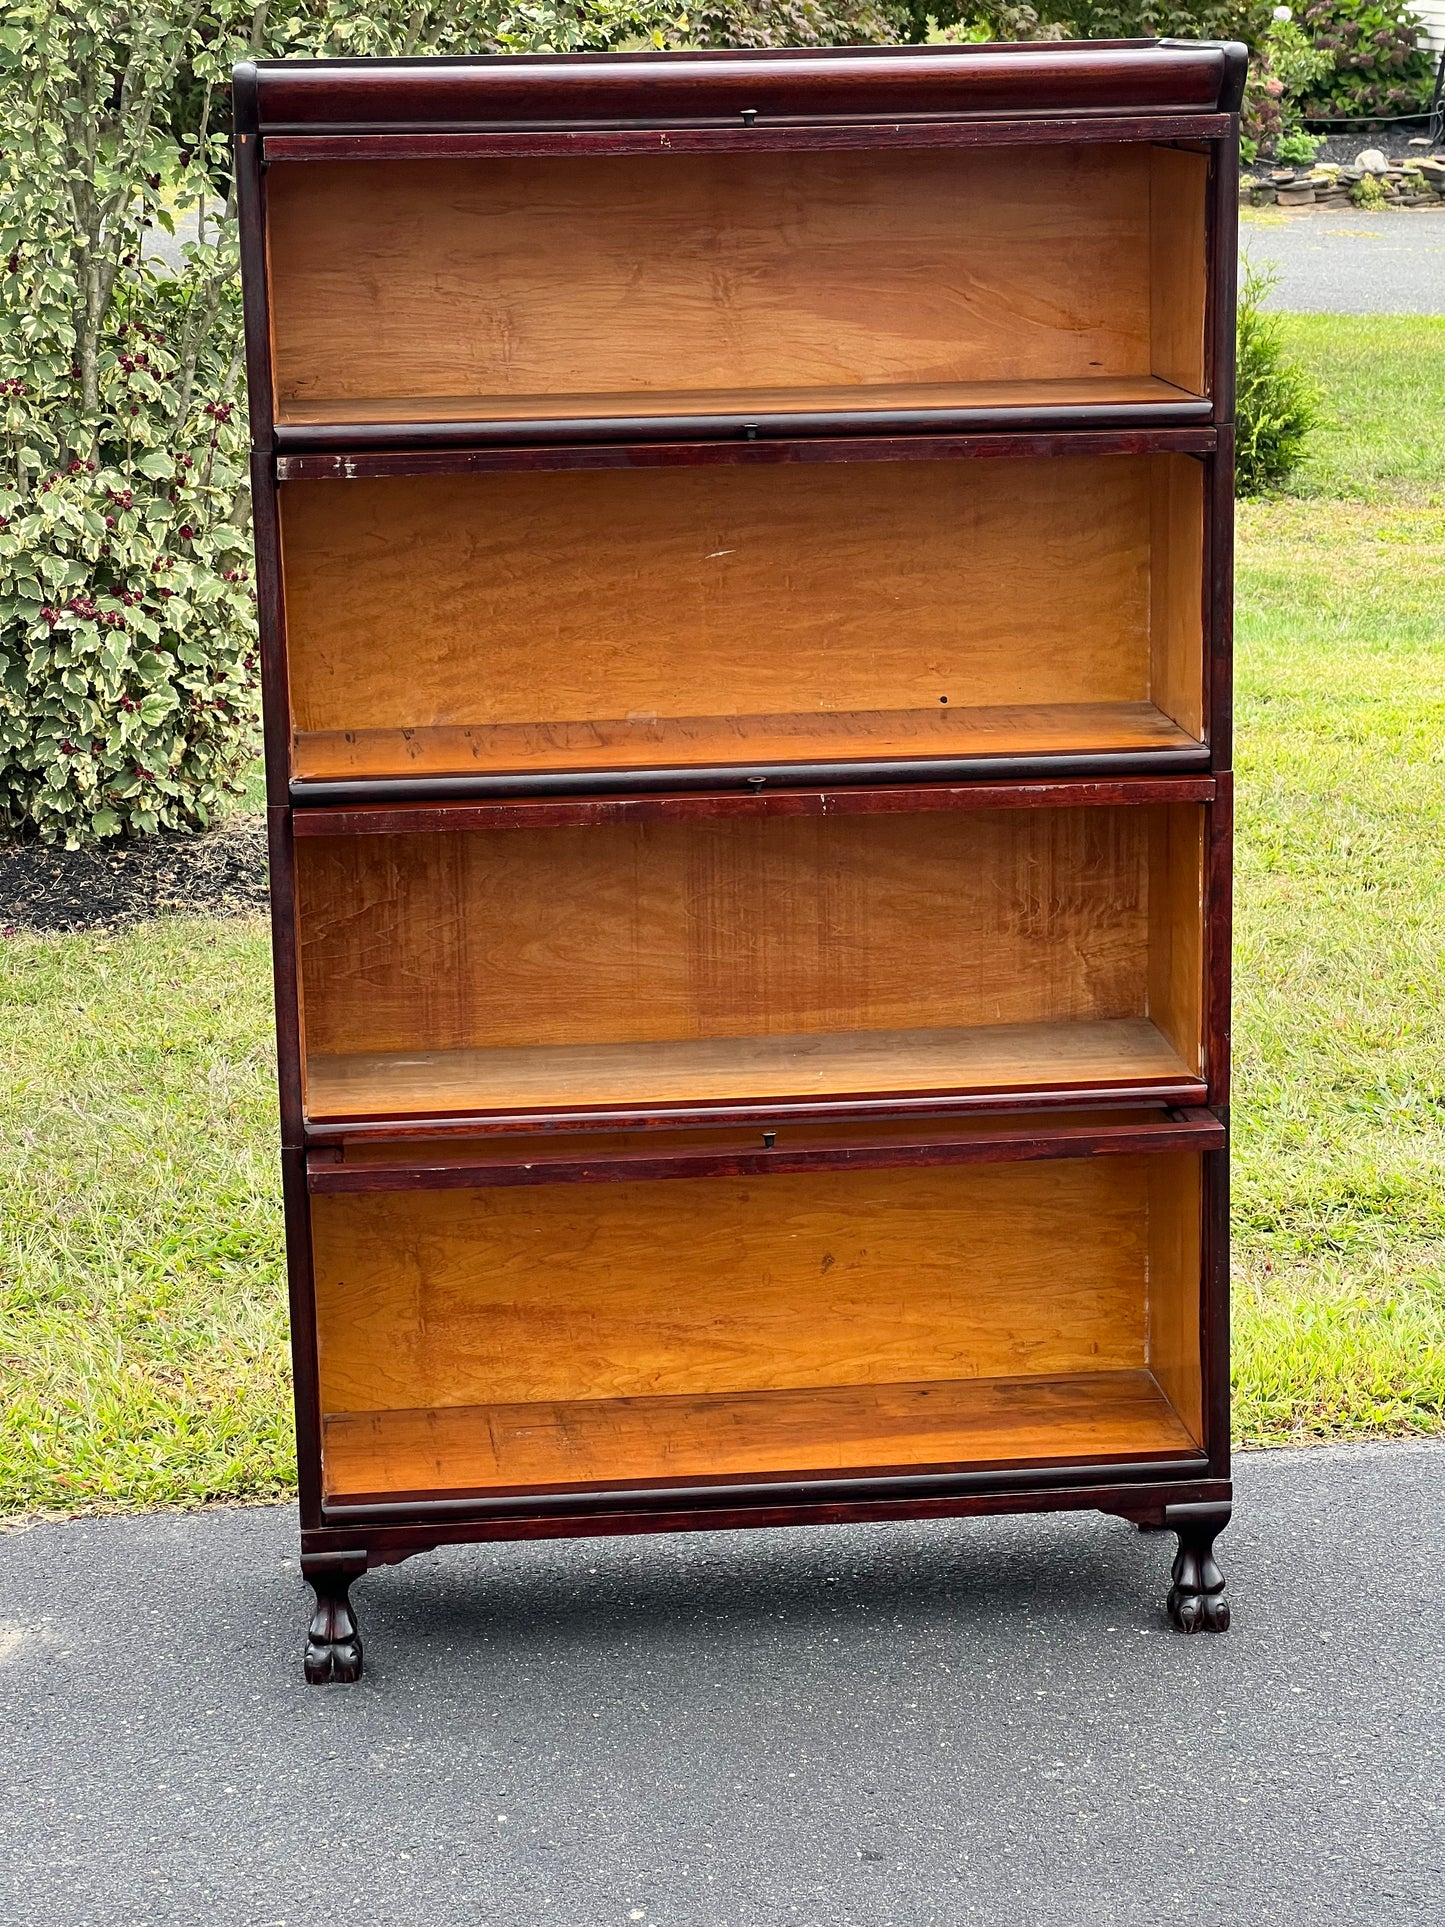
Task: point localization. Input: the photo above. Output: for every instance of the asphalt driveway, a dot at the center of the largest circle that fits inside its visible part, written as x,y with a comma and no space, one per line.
853,1727
1341,260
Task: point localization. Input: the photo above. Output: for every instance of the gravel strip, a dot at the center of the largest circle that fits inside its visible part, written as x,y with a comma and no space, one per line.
112,886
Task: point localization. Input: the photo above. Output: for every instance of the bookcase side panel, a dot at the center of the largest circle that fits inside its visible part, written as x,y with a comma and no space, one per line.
1177,590
1177,913
1178,264
1176,1258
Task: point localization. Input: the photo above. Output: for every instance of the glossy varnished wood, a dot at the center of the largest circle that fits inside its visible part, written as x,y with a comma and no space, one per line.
823,1278
1028,399
815,136
400,1163
384,449
647,742
591,811
1127,1053
840,85
1124,404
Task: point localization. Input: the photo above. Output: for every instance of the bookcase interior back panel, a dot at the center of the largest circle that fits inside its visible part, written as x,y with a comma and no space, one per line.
708,960
727,1326
696,283
624,617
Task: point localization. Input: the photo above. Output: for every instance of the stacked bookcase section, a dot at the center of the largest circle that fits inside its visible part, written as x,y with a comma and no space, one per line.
744,547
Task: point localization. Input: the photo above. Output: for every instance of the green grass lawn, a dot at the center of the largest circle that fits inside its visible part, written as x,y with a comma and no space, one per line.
1340,953
142,1324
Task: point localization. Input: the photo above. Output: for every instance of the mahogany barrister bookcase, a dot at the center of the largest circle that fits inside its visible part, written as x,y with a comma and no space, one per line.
744,550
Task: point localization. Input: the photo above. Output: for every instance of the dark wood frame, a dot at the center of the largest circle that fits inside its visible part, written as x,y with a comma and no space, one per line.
390,112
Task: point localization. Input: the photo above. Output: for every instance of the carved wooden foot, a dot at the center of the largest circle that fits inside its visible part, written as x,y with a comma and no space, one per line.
333,1644
1196,1599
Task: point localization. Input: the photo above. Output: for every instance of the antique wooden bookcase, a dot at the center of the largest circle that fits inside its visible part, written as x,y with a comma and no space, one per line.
744,552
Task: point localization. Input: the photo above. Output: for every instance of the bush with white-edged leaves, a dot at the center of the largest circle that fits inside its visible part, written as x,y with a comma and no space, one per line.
128,667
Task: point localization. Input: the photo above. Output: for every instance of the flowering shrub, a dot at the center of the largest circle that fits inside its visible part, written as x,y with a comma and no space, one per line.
1283,65
127,660
128,667
1379,68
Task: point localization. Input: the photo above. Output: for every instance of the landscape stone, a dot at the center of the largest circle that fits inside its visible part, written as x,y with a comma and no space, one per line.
1371,160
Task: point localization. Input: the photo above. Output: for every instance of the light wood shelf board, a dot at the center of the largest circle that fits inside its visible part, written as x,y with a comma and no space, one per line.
1087,1416
1096,391
1046,1056
646,740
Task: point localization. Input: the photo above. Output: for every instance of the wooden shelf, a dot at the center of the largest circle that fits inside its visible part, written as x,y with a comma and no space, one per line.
1123,1052
1015,733
656,620
537,290
1084,1416
392,421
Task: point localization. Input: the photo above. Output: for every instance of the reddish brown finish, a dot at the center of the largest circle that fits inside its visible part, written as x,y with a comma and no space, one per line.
454,460
1219,599
1142,1491
657,441
427,1169
302,1307
279,832
366,465
761,137
703,785
836,85
1219,938
1214,1338
411,819
853,99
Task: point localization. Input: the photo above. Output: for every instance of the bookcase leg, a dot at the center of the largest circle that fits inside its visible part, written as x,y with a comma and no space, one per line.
1196,1598
333,1644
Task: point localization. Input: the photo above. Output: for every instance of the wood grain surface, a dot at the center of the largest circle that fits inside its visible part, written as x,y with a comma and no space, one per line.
1093,391
648,741
727,272
1090,1417
731,928
1178,184
544,620
1175,1302
711,1285
1129,1052
382,1163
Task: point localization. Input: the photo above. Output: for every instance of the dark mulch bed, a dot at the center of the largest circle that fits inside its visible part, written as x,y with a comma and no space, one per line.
1393,139
219,874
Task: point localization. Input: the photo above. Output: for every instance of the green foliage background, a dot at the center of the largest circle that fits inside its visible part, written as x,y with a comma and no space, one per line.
1277,405
1379,68
127,662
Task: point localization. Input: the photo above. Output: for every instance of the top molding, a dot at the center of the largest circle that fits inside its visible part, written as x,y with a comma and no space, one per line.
1137,78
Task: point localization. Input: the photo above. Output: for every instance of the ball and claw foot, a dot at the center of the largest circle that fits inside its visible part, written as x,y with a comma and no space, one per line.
333,1644
1196,1599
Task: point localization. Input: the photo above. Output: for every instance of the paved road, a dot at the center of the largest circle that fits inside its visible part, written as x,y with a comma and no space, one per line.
854,1727
1343,261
